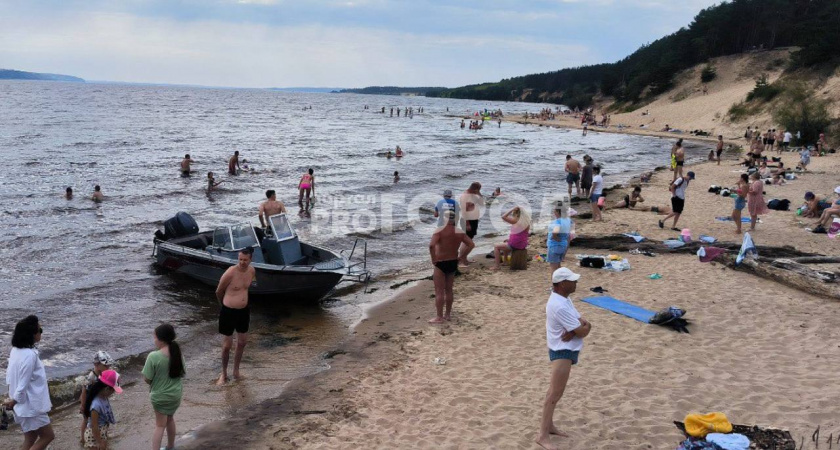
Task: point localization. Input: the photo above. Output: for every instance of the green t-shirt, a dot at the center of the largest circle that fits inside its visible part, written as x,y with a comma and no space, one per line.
165,392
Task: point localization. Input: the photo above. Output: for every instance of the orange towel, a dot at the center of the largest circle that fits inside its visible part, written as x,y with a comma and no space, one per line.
699,425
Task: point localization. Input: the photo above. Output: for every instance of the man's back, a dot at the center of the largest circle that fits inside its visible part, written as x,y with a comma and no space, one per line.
572,166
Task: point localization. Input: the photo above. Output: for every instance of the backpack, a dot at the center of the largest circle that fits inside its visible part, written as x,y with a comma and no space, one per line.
671,317
779,205
595,263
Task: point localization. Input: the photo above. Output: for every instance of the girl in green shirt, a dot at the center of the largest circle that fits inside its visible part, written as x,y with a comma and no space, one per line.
164,371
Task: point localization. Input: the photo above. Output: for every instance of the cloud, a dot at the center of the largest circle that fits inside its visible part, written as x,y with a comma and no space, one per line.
122,47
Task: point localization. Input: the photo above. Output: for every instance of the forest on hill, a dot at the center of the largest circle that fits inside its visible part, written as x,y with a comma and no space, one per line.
737,26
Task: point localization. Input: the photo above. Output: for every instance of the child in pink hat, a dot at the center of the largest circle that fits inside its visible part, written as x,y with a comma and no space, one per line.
98,409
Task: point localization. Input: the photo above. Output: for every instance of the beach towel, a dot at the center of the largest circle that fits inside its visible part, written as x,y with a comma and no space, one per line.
699,425
733,441
747,249
620,307
636,236
673,243
708,254
707,239
729,219
674,319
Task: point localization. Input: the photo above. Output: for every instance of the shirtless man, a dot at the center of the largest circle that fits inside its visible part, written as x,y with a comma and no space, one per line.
572,174
97,194
235,315
270,207
443,249
233,163
679,158
185,165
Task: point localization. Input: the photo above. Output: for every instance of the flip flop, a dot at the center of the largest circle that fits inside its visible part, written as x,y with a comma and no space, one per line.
675,229
598,289
661,224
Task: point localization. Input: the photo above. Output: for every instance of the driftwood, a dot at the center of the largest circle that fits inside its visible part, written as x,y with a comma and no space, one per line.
784,265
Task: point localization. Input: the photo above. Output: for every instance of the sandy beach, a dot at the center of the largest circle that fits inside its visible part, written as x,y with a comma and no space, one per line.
758,351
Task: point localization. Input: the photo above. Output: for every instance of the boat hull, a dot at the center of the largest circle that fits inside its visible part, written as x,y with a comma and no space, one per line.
281,282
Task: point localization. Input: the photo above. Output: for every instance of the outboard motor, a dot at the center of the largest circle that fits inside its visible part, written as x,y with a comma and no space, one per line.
181,225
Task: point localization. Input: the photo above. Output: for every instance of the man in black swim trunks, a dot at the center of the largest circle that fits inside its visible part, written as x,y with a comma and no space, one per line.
235,315
444,250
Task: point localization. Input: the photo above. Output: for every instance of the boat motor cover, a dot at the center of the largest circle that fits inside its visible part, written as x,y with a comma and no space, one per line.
181,225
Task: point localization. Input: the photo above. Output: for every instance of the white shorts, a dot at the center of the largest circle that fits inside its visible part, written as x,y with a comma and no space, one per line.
28,424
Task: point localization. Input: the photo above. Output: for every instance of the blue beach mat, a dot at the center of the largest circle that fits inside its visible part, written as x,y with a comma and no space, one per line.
623,308
729,219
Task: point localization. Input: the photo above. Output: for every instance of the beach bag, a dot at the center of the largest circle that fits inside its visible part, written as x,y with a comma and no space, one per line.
715,189
779,205
666,315
591,262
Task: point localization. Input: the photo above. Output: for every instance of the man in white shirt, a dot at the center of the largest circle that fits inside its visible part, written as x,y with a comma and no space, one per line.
677,188
564,330
786,139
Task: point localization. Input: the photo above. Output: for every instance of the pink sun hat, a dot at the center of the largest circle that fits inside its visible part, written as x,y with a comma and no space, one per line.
111,378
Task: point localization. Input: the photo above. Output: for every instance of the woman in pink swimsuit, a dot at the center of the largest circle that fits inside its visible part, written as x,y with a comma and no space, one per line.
755,199
306,186
520,228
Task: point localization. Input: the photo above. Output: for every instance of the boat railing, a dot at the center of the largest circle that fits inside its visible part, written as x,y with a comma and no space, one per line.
357,271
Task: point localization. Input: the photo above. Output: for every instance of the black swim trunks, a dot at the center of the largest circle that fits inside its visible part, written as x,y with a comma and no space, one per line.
473,228
677,204
185,173
447,267
680,163
231,319
627,201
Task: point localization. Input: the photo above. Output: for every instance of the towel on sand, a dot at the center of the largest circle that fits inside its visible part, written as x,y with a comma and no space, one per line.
747,249
699,425
732,441
707,254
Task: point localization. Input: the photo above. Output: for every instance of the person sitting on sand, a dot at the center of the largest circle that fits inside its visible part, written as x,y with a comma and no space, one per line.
779,174
630,201
211,182
814,206
520,228
565,330
68,193
829,213
445,254
765,171
396,177
97,194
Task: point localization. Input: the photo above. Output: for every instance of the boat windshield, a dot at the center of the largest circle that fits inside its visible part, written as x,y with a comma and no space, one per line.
236,237
282,227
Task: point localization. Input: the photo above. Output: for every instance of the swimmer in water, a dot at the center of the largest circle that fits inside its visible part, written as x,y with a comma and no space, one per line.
389,155
68,193
399,152
211,182
496,193
185,165
233,163
306,186
396,176
97,194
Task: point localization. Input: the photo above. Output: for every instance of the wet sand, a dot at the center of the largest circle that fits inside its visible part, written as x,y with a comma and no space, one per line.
760,352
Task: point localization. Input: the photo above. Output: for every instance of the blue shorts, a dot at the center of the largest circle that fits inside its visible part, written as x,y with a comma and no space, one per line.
563,354
740,203
594,198
556,255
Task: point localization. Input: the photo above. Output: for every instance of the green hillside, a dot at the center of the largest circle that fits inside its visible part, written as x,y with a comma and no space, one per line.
730,28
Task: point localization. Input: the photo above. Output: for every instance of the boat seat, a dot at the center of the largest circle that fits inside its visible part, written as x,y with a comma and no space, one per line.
290,252
198,242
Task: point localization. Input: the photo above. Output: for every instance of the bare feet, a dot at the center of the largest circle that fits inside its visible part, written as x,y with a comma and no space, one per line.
447,317
436,320
555,430
545,442
238,376
223,379
495,268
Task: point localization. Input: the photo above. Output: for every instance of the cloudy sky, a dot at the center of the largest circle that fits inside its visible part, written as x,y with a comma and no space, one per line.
356,43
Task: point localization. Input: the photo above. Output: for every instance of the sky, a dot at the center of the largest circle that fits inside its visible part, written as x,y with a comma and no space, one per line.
327,43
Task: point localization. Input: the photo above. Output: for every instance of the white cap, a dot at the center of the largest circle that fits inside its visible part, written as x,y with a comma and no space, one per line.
837,190
563,274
